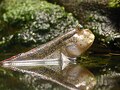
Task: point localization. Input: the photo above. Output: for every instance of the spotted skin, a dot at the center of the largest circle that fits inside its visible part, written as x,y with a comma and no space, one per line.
44,50
62,43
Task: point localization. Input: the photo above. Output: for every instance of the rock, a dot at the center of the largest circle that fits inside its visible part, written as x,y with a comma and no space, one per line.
28,24
98,16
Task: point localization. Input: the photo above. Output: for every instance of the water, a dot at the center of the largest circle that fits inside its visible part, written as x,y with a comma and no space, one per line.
19,81
106,69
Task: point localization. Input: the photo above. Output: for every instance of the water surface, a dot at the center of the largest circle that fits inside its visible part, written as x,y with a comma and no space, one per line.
106,69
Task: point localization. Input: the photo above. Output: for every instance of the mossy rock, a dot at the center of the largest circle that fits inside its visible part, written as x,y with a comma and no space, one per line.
99,17
30,23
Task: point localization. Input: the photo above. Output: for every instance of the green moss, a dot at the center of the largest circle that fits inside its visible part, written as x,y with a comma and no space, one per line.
33,22
114,3
20,10
48,24
102,30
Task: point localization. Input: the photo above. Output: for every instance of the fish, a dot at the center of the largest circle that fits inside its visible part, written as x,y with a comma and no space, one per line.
65,47
71,44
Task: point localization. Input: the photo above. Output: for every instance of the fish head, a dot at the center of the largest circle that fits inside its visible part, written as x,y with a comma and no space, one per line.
83,39
79,43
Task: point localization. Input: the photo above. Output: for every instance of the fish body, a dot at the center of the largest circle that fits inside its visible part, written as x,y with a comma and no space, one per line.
72,44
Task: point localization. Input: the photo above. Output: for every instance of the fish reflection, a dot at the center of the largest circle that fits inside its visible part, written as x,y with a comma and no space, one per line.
72,77
62,61
63,50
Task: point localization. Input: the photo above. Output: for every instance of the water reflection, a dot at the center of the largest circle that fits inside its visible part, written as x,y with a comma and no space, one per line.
108,81
73,77
107,74
12,80
65,72
106,68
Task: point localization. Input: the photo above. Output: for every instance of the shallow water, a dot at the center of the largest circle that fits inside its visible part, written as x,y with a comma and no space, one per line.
106,69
